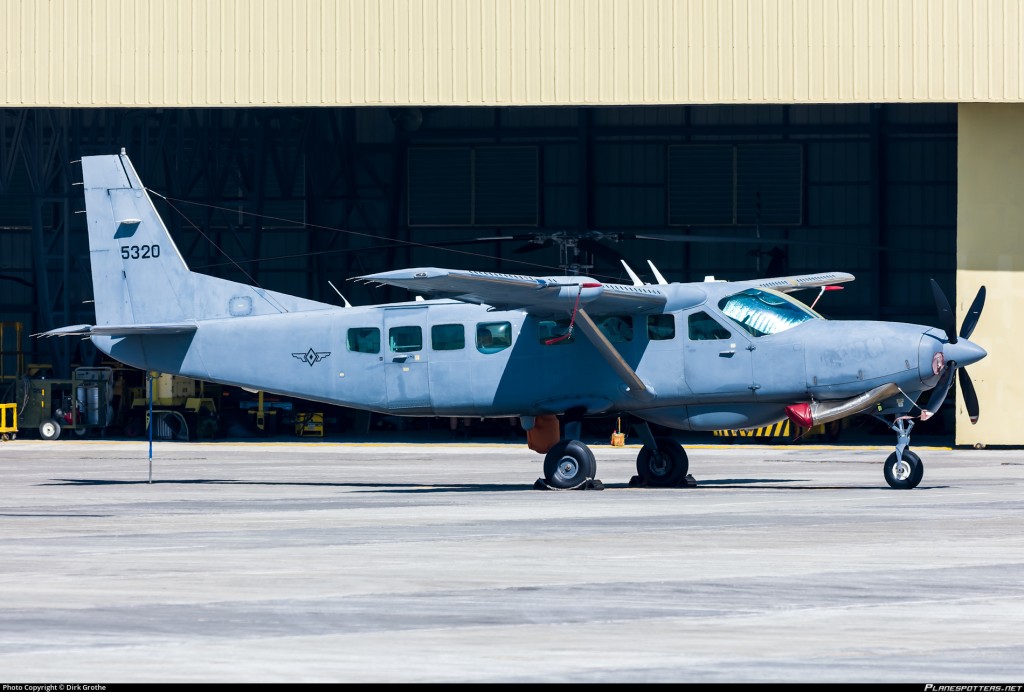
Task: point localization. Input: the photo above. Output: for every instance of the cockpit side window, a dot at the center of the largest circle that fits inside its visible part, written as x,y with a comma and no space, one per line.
702,327
763,312
555,332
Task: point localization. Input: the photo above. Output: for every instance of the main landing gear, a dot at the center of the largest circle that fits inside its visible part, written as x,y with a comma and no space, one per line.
569,463
903,469
661,463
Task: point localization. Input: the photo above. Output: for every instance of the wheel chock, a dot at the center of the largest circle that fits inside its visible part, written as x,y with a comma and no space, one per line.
588,484
688,482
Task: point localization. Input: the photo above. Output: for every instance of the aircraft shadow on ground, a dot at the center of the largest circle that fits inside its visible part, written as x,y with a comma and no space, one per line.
413,488
383,487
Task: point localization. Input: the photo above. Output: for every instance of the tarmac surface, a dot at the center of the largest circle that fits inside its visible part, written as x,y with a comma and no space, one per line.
330,561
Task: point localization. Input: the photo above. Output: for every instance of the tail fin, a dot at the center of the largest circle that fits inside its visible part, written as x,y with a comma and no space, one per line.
139,276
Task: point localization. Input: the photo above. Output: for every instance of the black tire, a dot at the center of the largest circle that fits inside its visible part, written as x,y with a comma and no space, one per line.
908,475
665,469
82,432
49,429
568,464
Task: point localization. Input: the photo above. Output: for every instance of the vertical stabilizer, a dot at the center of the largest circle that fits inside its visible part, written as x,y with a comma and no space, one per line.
139,276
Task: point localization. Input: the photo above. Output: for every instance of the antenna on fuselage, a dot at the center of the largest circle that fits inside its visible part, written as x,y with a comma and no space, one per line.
632,274
657,274
347,304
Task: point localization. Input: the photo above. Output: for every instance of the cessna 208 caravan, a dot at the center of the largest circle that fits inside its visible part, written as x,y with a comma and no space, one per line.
549,350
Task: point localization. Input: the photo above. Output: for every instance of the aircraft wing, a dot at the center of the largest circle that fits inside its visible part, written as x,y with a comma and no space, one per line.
786,284
541,296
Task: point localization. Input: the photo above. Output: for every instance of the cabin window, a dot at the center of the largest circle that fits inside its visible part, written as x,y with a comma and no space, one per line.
405,339
553,332
364,340
661,327
492,337
763,312
447,337
617,328
702,327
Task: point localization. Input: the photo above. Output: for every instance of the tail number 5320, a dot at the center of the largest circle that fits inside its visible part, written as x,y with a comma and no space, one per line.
140,251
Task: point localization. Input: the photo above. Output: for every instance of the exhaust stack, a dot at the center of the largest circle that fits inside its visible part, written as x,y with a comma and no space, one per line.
818,412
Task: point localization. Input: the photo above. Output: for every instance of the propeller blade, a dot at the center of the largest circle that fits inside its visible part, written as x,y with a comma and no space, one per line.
971,320
970,396
940,391
946,319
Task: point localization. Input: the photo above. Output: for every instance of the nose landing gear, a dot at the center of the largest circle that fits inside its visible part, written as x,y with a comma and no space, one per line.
903,469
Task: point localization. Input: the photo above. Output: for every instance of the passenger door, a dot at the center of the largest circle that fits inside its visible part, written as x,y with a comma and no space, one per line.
405,357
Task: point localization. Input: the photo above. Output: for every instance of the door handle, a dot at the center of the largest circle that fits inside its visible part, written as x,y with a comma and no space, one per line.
726,354
399,359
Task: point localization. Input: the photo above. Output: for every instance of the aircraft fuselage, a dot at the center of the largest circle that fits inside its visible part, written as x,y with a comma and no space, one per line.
425,358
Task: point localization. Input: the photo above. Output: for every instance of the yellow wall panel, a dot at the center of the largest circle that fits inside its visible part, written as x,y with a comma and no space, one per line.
990,164
479,52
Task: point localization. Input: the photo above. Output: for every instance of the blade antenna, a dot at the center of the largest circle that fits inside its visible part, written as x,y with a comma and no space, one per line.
347,304
632,274
657,274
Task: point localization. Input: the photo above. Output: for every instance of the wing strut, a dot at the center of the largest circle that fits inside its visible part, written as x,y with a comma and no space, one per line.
635,387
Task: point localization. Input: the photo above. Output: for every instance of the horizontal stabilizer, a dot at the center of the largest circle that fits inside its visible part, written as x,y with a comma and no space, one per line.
120,330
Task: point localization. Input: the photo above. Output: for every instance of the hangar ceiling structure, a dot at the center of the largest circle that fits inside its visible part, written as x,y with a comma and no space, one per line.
298,143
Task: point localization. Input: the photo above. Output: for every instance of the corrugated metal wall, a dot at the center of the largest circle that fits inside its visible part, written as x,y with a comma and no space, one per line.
495,52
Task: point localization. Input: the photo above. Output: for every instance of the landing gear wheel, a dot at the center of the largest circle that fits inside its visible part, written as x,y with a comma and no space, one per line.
49,429
664,467
568,464
905,475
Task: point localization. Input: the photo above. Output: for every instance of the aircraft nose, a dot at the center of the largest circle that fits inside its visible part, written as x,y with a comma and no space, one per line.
964,352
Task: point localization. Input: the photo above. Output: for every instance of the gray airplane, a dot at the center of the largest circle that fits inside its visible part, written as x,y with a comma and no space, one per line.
549,350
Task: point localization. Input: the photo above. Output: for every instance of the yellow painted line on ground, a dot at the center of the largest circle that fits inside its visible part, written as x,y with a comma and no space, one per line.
307,443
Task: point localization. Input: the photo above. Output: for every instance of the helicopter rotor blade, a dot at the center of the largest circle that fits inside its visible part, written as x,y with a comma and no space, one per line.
533,246
598,249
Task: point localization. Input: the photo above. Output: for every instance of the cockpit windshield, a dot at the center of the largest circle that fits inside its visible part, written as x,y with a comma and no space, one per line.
762,312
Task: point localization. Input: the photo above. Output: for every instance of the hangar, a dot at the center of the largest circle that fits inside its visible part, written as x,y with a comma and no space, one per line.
301,143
